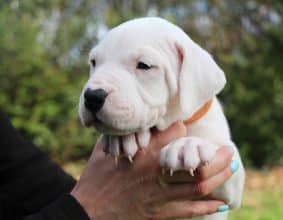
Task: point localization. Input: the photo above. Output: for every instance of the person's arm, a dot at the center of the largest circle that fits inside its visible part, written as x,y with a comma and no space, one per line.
31,183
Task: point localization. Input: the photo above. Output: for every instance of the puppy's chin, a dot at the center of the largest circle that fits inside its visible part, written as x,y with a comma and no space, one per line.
122,127
106,129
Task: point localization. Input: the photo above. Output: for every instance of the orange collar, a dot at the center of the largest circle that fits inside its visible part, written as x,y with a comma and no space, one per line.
198,114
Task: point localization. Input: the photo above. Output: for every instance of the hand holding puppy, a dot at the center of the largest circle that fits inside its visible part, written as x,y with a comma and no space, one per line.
140,191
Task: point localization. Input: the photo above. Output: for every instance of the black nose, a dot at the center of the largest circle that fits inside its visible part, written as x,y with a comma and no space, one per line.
94,99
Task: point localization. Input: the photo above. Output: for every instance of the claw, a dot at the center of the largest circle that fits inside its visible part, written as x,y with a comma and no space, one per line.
191,170
171,172
130,158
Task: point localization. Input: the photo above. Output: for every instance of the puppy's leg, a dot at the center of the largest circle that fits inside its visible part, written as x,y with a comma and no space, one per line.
189,153
213,127
211,131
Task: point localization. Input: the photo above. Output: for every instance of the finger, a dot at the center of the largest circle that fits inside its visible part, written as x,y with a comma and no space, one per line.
187,209
207,186
192,190
161,138
221,161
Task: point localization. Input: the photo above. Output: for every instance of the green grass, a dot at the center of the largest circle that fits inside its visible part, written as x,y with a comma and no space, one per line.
260,205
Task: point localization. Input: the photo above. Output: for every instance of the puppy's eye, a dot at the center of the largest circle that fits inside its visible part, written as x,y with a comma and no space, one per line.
143,66
93,63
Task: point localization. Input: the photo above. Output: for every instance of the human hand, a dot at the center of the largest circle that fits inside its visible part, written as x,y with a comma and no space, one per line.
139,190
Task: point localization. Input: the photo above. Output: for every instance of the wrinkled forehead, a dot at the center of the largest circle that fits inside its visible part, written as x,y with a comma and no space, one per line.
133,35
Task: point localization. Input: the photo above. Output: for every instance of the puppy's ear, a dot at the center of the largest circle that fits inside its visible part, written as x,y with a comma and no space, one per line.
200,78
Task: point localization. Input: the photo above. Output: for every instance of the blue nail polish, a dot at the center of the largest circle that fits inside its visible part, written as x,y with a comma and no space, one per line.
234,165
223,208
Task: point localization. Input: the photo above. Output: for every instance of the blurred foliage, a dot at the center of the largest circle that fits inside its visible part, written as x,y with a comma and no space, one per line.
44,46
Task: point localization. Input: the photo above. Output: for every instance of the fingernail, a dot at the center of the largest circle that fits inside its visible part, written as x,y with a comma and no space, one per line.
234,165
223,208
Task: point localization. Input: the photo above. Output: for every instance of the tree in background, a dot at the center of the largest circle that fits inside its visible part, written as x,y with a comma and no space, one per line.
44,47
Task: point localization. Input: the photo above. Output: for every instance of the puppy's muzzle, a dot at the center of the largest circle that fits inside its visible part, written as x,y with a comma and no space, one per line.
94,99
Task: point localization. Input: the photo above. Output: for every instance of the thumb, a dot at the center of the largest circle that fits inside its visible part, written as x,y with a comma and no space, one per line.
161,138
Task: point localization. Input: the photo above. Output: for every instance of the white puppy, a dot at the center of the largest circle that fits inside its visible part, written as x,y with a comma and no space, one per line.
148,73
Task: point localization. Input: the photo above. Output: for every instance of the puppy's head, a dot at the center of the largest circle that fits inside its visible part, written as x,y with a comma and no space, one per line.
146,72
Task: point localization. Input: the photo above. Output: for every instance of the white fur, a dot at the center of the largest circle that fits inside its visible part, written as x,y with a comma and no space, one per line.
182,78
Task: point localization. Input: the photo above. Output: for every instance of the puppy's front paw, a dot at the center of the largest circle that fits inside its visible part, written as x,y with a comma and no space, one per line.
126,145
187,153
